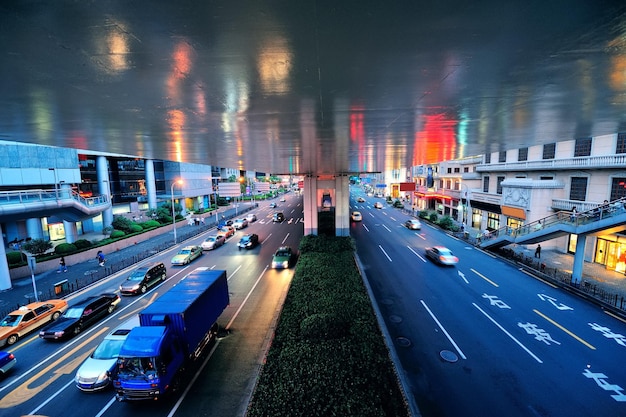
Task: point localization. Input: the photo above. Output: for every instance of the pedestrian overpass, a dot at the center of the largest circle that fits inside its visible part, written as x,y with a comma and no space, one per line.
606,219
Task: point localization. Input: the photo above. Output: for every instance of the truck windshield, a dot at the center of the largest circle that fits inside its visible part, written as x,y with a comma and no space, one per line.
137,368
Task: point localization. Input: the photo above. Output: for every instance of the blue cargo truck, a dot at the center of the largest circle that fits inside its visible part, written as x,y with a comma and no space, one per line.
173,333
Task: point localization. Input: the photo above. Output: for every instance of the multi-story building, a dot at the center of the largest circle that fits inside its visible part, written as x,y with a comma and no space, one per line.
521,186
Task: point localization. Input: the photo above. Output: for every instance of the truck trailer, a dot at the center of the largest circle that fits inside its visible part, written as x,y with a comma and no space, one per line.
173,333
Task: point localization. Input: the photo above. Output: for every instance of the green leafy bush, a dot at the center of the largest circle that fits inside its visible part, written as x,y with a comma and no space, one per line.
446,223
433,217
116,234
16,258
150,224
65,248
135,228
122,223
37,246
83,244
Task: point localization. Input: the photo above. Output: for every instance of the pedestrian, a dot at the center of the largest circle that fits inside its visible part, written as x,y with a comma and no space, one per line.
538,252
100,258
62,266
202,221
574,213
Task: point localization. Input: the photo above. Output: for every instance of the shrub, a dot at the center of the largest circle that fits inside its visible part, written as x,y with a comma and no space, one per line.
446,223
433,217
122,223
65,248
83,244
135,228
16,258
320,327
116,234
424,214
150,224
37,246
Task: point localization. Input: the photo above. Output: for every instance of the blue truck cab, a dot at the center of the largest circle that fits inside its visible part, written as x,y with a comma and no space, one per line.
173,333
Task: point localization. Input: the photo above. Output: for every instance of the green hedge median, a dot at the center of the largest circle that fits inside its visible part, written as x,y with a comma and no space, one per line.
328,356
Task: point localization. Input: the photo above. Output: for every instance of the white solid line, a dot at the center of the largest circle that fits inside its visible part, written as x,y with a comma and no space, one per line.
389,230
245,299
458,349
416,254
381,248
508,334
51,397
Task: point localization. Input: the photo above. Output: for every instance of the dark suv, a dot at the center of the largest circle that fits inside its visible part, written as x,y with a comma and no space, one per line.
80,316
278,217
143,278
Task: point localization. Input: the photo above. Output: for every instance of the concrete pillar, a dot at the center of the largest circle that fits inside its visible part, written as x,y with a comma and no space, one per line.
342,206
34,229
5,276
309,196
104,184
579,260
71,231
151,184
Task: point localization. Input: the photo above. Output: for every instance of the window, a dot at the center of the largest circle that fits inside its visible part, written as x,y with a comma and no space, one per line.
486,184
28,316
488,158
522,154
618,188
457,170
499,185
465,169
621,143
549,150
449,170
582,147
578,190
502,156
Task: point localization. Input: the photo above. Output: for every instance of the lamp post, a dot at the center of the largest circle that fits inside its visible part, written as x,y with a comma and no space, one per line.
173,212
467,209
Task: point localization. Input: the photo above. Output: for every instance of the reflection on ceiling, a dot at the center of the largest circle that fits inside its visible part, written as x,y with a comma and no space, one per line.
311,86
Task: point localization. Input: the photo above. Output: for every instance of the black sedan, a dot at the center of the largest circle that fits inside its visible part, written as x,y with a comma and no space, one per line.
248,241
80,316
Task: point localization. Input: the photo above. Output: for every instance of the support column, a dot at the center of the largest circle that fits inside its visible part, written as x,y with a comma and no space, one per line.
34,229
310,205
102,173
71,231
5,276
579,260
151,184
342,206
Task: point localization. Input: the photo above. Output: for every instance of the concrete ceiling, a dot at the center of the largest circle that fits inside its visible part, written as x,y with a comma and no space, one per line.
310,86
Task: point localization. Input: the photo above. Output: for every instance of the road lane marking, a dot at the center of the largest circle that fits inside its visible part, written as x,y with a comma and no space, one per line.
462,275
458,349
29,388
416,254
389,230
507,333
245,299
385,253
484,277
581,340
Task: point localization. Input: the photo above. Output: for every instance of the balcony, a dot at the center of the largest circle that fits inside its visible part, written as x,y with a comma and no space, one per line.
583,162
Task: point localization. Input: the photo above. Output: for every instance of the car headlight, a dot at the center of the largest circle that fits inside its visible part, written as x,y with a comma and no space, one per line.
135,287
104,376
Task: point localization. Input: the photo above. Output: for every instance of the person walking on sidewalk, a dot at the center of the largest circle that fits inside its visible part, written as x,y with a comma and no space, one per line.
100,258
62,266
538,252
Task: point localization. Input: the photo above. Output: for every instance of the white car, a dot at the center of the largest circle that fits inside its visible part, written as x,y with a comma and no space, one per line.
441,255
251,217
240,224
99,369
356,216
212,242
413,224
378,205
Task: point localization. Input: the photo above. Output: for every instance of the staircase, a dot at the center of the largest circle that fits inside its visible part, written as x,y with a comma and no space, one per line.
605,219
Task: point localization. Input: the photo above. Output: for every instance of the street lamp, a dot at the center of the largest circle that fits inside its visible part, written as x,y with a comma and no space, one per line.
179,182
467,209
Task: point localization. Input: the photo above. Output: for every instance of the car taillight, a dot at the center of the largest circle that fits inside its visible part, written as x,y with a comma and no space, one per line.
11,356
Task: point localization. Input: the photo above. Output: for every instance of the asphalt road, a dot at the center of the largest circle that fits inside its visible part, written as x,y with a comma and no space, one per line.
220,385
482,338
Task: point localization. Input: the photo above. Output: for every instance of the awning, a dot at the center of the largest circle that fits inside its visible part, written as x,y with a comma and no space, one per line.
492,208
518,213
